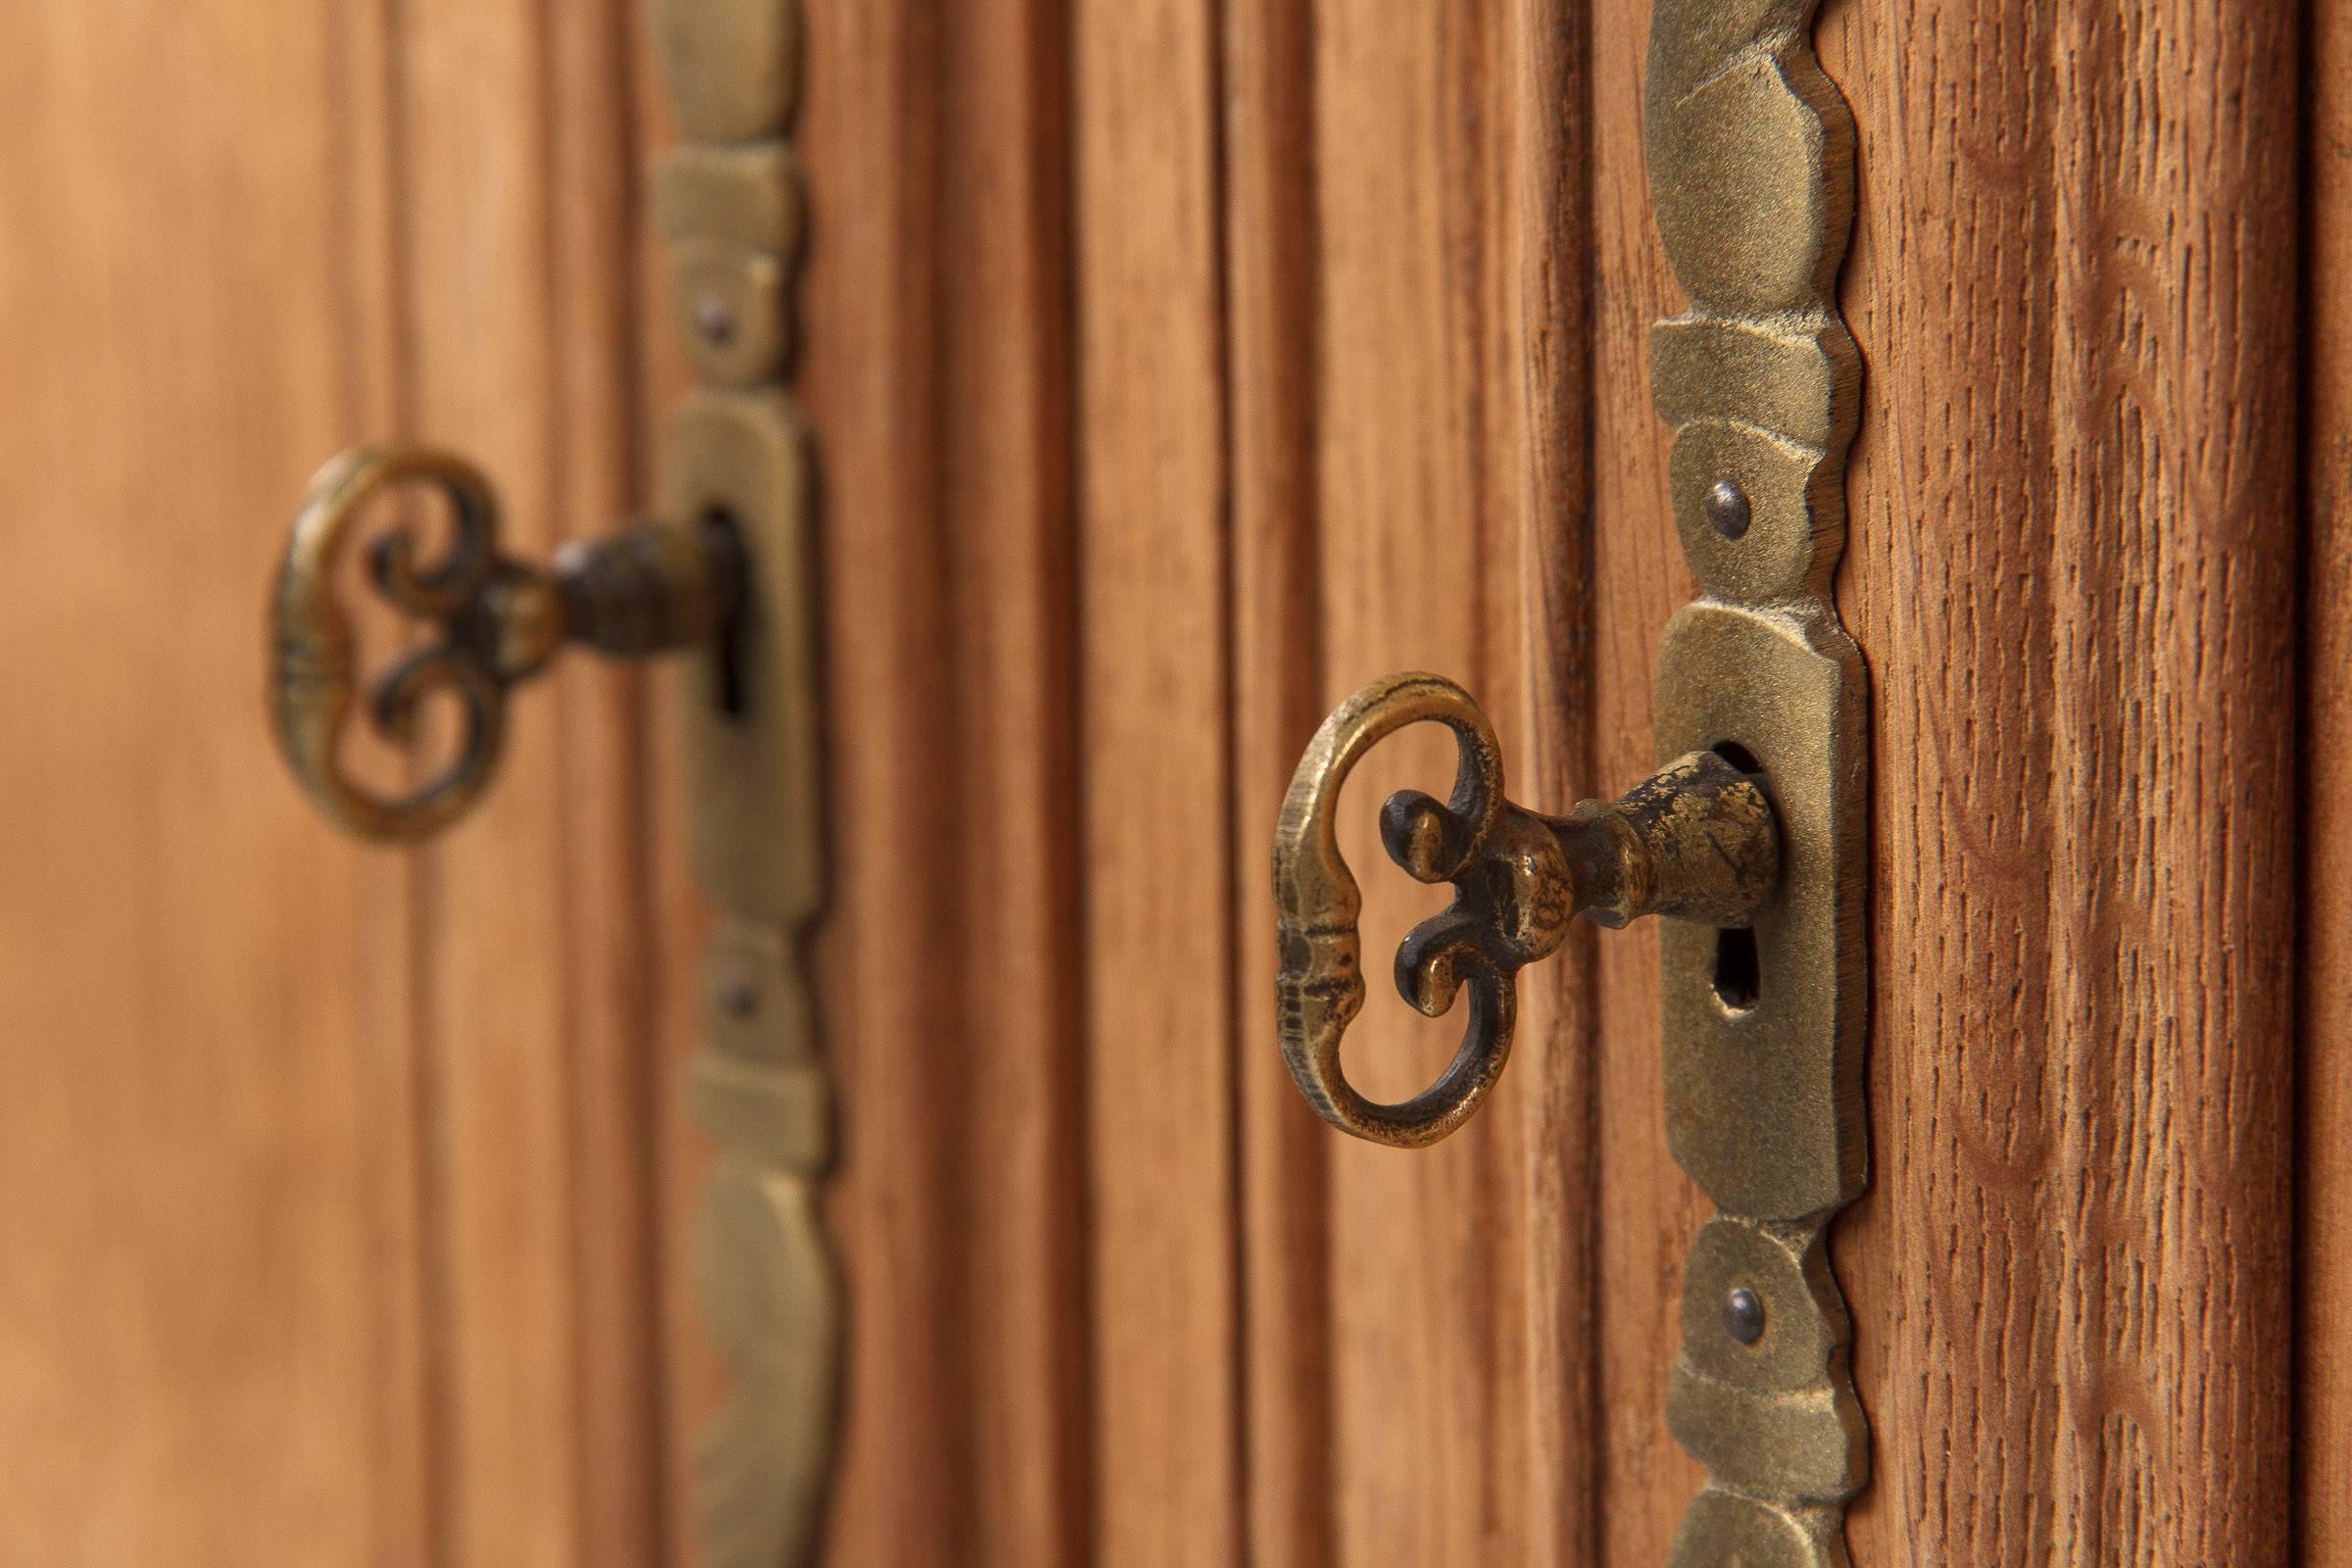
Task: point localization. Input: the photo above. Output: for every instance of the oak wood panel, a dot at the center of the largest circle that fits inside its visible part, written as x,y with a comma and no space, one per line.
296,1233
1273,260
1451,475
210,1133
1154,749
1548,291
1007,516
2072,568
935,371
599,299
2323,1395
888,988
1158,407
1649,1209
1395,303
531,934
692,1376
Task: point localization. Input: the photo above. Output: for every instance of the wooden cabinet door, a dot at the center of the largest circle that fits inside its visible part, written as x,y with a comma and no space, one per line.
1175,367
1236,354
325,1173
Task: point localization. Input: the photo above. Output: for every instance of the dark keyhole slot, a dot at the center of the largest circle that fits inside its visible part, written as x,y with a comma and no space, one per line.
1738,755
724,539
1738,972
1738,966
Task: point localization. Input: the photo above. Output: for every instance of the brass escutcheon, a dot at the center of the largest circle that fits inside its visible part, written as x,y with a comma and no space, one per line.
1695,841
498,622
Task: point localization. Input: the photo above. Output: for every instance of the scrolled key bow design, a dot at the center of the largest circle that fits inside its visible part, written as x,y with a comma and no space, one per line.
499,621
1695,841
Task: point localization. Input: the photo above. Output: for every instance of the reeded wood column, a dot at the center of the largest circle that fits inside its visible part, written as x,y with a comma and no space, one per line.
2073,569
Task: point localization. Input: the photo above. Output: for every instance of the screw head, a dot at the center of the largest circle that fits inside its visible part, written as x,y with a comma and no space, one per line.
739,998
1727,508
1744,1315
715,318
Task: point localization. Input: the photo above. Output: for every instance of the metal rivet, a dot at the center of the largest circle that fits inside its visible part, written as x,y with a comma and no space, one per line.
740,998
1744,1315
715,318
1727,508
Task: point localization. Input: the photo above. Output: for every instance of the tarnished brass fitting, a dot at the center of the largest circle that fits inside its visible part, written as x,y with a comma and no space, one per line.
1695,841
499,621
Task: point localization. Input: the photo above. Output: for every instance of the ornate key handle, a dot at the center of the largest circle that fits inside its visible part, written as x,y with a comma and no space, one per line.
498,622
1695,841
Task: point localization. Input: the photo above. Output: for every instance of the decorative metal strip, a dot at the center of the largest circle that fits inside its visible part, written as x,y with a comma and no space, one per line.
1751,155
727,206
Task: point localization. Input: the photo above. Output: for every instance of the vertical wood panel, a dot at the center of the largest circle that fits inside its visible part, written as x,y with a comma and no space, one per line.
1547,276
208,1135
377,391
870,139
1273,259
1154,744
1649,1210
598,296
1006,370
1450,467
1414,1393
1160,406
2074,552
1951,501
935,372
520,263
278,965
2324,1066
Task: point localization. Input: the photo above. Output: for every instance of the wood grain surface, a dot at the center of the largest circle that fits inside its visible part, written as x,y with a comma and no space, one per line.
2323,1071
1272,256
1177,365
2072,568
327,1176
1649,1210
1449,502
514,144
209,1100
1348,329
1155,816
937,373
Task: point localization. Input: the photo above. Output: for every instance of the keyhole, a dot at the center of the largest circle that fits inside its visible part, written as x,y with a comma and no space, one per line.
719,526
1738,966
1738,969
